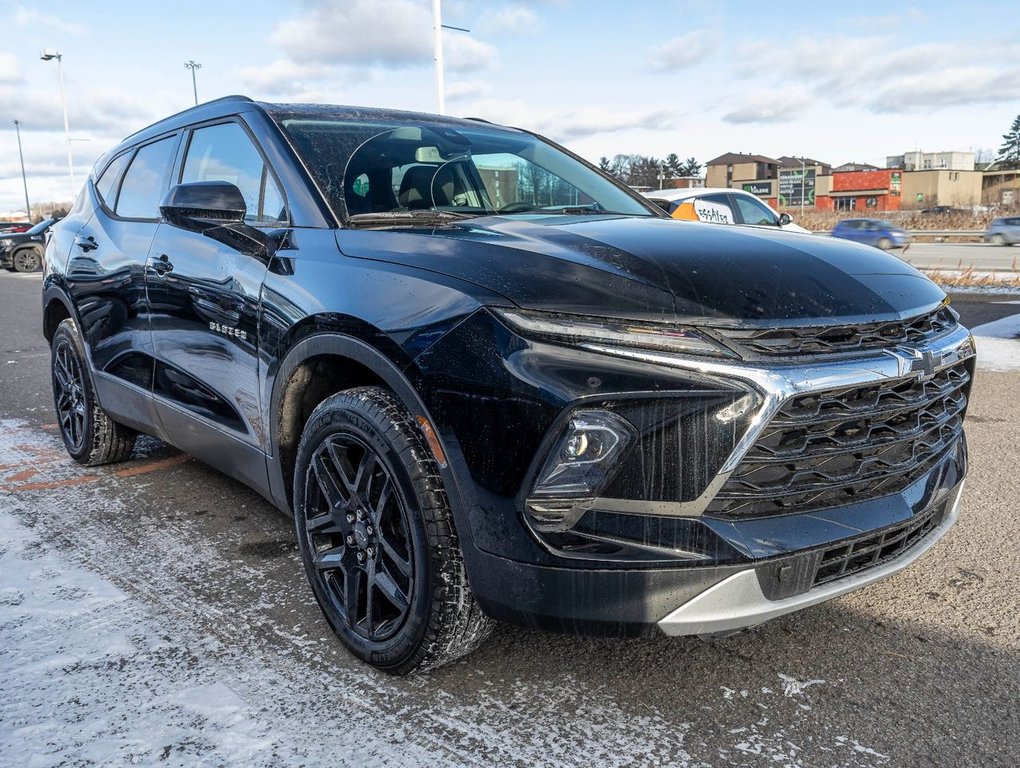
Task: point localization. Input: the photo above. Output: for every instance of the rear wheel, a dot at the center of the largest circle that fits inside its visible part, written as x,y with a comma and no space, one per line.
90,436
885,243
377,536
26,260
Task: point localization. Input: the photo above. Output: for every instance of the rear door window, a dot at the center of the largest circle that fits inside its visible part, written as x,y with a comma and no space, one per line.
224,152
146,180
714,209
106,184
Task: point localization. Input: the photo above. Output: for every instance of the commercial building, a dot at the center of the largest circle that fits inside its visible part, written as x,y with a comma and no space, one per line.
956,189
926,161
864,191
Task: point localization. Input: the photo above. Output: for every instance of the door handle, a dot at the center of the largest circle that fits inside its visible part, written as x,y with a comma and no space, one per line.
86,243
162,265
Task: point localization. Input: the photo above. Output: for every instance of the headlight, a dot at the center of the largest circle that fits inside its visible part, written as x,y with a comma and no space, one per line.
5,242
580,465
577,329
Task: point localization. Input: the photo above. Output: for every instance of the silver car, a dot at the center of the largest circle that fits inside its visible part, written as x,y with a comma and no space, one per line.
1004,231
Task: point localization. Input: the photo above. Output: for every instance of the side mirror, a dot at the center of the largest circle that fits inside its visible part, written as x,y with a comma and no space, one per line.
784,219
201,205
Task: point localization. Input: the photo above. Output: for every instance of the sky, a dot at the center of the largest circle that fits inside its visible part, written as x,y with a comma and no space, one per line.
837,82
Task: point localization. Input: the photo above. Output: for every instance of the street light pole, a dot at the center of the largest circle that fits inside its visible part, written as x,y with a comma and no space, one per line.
49,55
193,65
24,180
803,180
437,30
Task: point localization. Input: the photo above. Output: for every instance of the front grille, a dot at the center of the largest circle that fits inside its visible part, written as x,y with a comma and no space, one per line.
841,339
868,551
840,446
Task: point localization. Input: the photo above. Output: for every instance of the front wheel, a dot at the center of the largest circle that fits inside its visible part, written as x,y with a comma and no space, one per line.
998,239
377,536
27,260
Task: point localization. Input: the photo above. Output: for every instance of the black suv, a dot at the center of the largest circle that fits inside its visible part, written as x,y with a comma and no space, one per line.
23,251
488,381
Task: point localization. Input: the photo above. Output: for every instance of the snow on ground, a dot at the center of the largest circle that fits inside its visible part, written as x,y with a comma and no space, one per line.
998,344
160,653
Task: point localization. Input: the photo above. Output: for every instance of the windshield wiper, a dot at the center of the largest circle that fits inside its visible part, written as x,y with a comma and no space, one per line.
418,218
594,209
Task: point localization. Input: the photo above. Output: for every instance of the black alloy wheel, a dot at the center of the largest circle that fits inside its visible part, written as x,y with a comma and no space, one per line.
357,530
69,395
377,536
26,260
90,436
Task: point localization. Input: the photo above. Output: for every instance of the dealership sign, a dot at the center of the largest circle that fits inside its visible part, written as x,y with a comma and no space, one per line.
797,187
759,188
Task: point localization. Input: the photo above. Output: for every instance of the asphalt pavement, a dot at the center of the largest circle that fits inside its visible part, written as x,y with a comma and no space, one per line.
981,257
197,641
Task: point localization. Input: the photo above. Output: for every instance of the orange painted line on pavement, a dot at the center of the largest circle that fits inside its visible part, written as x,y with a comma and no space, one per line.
51,485
154,466
23,475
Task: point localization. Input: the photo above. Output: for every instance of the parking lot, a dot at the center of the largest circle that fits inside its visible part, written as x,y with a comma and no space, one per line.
156,612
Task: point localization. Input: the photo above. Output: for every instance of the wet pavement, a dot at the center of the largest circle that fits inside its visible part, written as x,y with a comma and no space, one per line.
155,612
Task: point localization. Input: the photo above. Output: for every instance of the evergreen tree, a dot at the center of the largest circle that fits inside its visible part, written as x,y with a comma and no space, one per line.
605,165
691,167
1009,152
674,165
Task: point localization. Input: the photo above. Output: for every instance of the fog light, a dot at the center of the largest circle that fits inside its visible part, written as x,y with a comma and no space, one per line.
584,458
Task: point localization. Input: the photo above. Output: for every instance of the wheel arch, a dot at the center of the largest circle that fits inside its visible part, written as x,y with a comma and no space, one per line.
321,365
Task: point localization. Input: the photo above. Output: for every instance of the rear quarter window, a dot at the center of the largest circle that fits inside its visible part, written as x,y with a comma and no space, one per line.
106,184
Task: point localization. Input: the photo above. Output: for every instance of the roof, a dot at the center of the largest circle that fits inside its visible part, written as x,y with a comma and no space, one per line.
232,105
794,162
732,158
683,194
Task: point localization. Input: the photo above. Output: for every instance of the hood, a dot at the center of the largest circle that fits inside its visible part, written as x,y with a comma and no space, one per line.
659,269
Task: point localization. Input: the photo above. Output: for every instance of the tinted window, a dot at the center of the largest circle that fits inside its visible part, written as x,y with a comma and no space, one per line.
225,153
753,212
145,181
106,185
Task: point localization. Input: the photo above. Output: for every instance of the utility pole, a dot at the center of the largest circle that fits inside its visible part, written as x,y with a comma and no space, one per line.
437,31
193,65
48,55
24,181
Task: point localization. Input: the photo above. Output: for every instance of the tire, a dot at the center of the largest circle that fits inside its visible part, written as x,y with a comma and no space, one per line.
885,243
376,532
90,436
26,260
998,239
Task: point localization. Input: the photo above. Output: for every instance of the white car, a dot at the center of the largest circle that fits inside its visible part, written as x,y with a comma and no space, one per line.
721,206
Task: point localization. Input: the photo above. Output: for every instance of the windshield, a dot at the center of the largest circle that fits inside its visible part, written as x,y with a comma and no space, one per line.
379,169
41,226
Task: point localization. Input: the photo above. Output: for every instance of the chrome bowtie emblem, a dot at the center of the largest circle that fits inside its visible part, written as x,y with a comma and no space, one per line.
923,363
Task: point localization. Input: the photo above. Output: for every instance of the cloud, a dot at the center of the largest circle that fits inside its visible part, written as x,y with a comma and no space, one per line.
467,89
366,33
569,124
100,110
10,72
680,52
30,17
777,106
510,19
883,76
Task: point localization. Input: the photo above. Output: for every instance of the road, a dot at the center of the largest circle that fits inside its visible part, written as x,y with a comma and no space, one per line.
155,613
982,257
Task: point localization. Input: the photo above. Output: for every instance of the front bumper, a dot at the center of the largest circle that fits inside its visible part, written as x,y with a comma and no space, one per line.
738,601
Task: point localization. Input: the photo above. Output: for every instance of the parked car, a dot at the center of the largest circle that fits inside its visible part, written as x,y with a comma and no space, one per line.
876,232
13,227
1004,231
23,252
721,206
538,400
